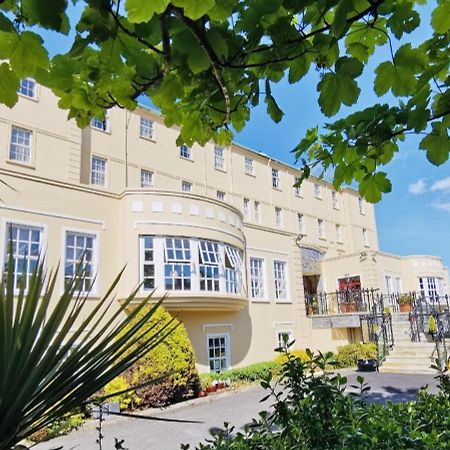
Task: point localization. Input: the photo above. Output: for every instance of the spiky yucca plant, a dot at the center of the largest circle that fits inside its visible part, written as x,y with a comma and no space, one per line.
48,368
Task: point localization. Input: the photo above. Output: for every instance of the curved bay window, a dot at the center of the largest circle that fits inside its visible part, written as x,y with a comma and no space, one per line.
188,264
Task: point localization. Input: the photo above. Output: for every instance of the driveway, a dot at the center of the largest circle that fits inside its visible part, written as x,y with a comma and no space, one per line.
193,421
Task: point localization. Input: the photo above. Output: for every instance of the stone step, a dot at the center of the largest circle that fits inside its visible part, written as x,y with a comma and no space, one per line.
410,359
408,364
404,370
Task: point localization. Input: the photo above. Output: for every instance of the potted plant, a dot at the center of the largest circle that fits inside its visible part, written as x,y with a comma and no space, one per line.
348,307
404,302
387,311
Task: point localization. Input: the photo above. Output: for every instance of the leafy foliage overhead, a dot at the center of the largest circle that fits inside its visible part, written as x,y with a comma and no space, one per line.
206,63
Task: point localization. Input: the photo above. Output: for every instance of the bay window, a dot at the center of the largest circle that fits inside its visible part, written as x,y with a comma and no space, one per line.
209,266
177,267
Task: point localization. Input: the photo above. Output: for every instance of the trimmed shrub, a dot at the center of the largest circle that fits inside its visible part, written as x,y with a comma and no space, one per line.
59,427
349,354
127,400
301,354
242,375
173,360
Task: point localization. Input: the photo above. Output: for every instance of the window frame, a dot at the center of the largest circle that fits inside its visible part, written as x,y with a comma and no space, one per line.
105,128
184,184
365,235
4,242
278,217
334,200
105,179
301,223
276,182
219,158
143,262
261,285
150,136
22,94
338,228
185,152
146,171
280,343
22,148
257,211
317,191
321,233
298,191
93,292
221,195
227,350
284,264
249,167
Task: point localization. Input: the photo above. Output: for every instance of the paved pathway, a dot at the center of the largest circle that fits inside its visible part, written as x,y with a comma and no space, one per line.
194,420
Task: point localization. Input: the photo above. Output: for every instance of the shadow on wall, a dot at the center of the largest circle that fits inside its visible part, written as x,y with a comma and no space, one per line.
201,324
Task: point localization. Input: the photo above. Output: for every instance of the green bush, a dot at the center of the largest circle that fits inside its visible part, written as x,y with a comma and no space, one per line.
59,427
172,363
312,412
348,355
242,375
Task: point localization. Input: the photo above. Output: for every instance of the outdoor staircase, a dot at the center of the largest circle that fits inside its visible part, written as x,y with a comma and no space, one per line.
408,356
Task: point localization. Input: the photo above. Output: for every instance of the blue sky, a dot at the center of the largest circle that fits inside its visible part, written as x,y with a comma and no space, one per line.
415,217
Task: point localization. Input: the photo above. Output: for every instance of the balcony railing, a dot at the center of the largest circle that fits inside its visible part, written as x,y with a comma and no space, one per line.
372,301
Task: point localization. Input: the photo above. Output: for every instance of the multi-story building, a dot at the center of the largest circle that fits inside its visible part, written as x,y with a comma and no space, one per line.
222,230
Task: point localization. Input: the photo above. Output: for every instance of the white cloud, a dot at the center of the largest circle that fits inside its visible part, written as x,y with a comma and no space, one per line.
419,187
441,185
441,206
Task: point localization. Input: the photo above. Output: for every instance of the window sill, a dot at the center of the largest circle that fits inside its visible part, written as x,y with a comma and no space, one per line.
186,159
283,302
260,300
277,189
318,198
100,130
250,175
220,170
33,99
322,238
20,164
147,138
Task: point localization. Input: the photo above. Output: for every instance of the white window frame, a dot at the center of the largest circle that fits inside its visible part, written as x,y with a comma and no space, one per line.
260,284
246,208
301,223
221,195
298,190
219,158
143,262
95,257
275,178
23,152
227,349
280,342
278,217
249,167
182,262
101,125
98,173
339,233
146,128
4,242
365,235
321,229
362,209
334,200
276,281
185,152
186,186
317,190
27,88
257,211
149,174
209,261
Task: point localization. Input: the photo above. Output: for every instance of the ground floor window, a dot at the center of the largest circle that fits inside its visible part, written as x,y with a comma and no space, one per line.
218,352
284,337
430,286
26,244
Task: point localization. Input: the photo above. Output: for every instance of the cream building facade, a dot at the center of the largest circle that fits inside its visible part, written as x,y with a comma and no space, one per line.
222,231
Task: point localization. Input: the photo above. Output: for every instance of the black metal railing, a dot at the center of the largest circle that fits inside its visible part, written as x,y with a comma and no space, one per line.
346,301
428,321
373,301
377,328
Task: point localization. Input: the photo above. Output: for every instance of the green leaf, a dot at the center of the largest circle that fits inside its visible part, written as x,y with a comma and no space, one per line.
339,25
52,16
28,54
359,51
373,185
198,60
404,19
299,68
412,58
273,109
143,10
218,43
334,90
399,79
349,66
440,19
436,144
8,86
195,9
